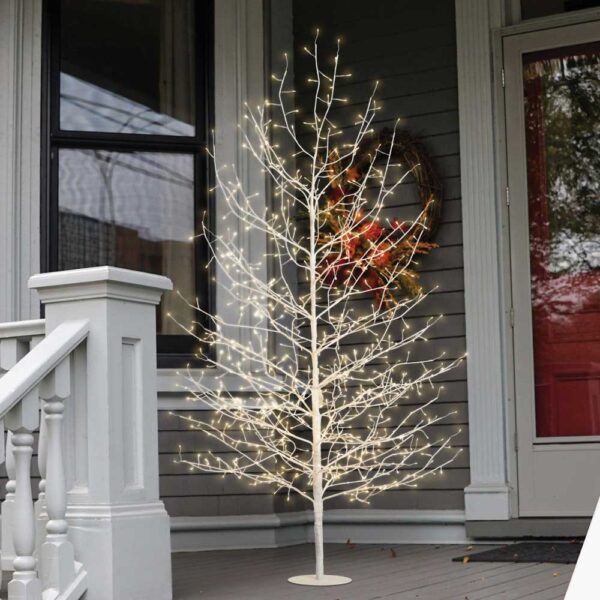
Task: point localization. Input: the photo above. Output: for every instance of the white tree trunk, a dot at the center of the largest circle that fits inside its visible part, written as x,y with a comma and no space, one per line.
316,396
317,483
319,561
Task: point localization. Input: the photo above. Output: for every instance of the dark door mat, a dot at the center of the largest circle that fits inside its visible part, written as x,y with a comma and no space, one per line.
524,552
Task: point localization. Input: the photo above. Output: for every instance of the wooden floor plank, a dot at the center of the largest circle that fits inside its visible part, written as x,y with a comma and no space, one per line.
420,572
471,582
525,583
444,584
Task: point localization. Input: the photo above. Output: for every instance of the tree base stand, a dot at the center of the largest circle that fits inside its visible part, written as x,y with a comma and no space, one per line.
324,581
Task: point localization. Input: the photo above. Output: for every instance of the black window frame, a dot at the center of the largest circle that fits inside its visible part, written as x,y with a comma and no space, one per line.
173,351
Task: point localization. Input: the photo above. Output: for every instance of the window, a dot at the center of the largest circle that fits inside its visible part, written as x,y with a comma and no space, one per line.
127,116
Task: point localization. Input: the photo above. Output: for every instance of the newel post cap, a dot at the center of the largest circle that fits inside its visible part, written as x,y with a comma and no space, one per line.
100,282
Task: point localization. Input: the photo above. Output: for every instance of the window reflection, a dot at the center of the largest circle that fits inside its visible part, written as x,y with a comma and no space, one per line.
562,118
133,210
127,66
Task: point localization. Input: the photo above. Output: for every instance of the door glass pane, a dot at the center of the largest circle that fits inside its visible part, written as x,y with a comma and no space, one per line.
133,210
562,118
531,9
127,66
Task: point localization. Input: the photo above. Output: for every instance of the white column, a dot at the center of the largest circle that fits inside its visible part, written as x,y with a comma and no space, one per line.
20,109
488,495
117,523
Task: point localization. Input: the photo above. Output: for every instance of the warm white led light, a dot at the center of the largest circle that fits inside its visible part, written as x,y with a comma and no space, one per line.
327,410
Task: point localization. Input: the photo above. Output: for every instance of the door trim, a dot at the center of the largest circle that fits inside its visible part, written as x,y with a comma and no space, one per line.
513,47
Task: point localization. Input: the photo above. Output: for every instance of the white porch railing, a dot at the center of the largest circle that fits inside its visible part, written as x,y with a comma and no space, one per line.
37,368
84,378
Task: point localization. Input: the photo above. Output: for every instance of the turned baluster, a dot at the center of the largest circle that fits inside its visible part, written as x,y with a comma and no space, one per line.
10,353
41,458
8,549
40,505
58,558
22,420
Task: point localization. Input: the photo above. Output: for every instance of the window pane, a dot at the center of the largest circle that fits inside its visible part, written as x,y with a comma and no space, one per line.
133,210
531,9
127,66
562,119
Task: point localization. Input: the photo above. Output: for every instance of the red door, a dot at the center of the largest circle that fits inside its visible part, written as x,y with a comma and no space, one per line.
562,123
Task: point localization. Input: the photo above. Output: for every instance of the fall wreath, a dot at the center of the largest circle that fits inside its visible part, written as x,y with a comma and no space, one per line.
371,256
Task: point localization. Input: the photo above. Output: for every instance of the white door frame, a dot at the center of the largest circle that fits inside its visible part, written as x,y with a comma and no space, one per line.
537,459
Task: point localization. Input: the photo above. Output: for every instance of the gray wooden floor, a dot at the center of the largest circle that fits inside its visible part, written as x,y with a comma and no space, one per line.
407,572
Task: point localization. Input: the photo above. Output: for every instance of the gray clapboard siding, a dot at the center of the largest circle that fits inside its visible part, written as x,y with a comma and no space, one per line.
215,485
379,18
438,101
449,283
169,441
410,49
404,85
203,505
189,492
169,464
413,499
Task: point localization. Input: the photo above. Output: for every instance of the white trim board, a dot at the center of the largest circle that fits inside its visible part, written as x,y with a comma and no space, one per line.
488,497
20,122
239,73
368,526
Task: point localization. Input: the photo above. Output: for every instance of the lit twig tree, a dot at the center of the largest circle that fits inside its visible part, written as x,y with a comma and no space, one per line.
326,417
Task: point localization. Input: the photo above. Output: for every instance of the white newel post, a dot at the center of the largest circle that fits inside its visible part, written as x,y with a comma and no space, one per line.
117,524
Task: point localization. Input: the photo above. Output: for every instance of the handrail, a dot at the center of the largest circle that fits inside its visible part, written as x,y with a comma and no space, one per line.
19,329
40,361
